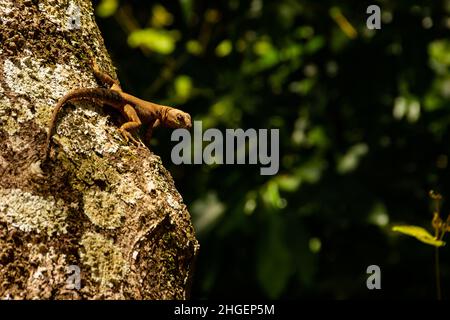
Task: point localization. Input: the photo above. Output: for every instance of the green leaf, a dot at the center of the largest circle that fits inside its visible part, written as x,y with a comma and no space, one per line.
271,195
160,41
315,44
439,52
274,260
351,159
304,250
186,7
161,17
194,47
262,47
311,171
289,183
107,8
224,48
183,86
304,32
420,234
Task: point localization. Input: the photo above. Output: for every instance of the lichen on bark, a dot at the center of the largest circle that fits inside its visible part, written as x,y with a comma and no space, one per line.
100,204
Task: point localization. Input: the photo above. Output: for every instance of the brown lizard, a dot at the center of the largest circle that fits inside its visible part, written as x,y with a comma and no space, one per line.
135,110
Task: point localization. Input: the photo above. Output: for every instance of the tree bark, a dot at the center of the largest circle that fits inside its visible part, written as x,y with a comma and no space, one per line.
99,206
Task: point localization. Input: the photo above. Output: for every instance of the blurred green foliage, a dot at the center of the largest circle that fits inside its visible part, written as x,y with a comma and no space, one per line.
363,118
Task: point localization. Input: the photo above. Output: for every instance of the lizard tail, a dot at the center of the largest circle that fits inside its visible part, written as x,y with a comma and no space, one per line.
92,94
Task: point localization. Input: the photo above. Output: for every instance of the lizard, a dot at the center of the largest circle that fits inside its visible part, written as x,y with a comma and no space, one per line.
137,111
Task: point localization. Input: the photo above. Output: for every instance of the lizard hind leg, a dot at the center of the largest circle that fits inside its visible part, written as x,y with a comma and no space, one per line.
132,124
104,77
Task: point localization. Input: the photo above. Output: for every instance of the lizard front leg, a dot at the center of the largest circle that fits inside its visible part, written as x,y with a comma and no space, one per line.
132,124
129,112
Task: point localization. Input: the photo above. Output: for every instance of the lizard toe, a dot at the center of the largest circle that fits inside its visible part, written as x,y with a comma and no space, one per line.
129,137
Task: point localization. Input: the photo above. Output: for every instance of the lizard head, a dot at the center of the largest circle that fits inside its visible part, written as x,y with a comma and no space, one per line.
178,119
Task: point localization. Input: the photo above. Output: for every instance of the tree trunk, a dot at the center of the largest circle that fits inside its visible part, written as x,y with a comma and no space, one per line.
101,211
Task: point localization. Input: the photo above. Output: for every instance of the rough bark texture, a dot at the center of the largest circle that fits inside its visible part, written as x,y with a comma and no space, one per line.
100,204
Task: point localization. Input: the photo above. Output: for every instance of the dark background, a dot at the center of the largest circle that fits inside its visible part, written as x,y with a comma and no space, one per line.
363,118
